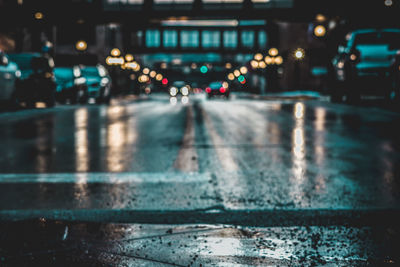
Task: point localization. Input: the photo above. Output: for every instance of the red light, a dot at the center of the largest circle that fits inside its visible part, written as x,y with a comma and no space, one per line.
243,82
222,89
164,81
208,90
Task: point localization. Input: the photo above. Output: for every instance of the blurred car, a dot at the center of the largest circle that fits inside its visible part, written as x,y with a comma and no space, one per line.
179,87
36,83
98,82
220,88
364,64
9,73
71,85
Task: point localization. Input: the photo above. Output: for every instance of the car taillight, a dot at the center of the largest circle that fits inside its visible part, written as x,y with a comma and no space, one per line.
222,89
208,90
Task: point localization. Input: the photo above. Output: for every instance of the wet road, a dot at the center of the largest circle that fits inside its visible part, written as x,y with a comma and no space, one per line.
249,162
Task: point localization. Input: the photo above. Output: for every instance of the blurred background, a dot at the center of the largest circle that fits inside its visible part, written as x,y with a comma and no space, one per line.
257,46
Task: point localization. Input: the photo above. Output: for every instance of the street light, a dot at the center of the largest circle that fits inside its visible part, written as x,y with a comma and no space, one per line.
254,64
115,52
319,31
81,45
278,60
129,58
159,77
243,70
38,15
258,56
299,54
273,52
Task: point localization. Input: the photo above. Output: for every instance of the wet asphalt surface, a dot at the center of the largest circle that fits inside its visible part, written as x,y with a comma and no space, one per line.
241,182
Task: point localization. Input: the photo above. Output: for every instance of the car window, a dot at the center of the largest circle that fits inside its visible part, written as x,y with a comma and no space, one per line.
375,38
90,71
64,73
23,61
215,85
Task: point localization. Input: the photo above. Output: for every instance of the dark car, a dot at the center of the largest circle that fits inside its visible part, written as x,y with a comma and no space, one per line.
98,83
36,83
363,66
9,73
71,85
219,88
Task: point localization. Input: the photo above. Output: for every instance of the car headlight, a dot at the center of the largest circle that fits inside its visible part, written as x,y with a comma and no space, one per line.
173,91
104,81
18,74
184,90
79,81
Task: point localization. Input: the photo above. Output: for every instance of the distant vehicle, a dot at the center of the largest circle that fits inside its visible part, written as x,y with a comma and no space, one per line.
179,87
9,73
71,85
99,83
364,64
220,88
36,83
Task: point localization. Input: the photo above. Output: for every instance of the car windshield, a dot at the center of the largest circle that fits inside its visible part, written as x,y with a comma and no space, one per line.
64,73
378,38
215,85
23,61
90,71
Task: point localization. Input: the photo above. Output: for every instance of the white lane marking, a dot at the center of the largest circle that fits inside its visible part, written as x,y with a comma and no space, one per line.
187,159
105,178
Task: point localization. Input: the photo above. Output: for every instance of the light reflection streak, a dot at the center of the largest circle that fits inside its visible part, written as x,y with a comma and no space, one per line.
82,156
319,140
81,196
298,152
120,136
42,159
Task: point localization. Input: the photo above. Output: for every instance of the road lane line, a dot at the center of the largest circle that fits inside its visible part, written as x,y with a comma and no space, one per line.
104,178
187,159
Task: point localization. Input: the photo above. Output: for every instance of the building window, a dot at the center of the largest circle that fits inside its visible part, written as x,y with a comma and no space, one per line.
210,39
230,39
170,38
189,39
247,39
152,38
136,38
262,39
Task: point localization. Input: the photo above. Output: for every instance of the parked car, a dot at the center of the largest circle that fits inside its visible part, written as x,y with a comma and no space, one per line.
363,66
98,82
219,88
36,83
9,73
179,87
71,85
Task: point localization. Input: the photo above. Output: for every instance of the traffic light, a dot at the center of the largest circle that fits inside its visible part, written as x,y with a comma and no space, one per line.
203,69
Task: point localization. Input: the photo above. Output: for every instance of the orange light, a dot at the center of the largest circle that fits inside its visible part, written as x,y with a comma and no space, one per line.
38,15
81,45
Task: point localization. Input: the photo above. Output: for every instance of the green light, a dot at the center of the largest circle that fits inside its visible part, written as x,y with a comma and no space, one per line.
241,78
203,69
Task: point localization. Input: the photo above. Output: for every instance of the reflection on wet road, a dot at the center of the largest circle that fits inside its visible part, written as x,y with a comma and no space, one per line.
240,154
320,180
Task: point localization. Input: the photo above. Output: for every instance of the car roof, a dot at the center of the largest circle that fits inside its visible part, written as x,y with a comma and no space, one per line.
361,31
